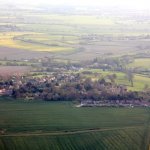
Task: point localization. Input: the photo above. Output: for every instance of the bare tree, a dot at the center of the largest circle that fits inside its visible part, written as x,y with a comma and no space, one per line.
130,77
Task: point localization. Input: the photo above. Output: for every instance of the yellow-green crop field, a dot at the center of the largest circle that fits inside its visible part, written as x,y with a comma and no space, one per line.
52,32
37,42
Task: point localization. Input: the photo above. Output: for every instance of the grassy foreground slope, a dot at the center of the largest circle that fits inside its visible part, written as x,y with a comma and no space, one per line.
58,116
62,126
127,139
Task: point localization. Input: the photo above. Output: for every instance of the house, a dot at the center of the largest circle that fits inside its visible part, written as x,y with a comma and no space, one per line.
2,92
5,92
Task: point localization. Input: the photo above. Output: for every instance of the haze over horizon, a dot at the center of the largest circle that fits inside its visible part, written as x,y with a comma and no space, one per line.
134,4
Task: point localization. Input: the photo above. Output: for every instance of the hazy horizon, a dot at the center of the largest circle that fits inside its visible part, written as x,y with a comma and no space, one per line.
134,4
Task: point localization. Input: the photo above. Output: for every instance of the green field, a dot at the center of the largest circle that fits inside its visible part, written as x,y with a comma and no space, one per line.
138,80
140,63
108,140
62,126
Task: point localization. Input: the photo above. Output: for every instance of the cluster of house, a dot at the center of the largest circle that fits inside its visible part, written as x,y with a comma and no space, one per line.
7,87
61,86
118,103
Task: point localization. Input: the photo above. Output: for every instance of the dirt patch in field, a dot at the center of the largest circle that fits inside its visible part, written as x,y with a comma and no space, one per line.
7,71
13,53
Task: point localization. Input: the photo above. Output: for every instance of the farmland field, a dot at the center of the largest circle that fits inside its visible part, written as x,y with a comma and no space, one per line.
36,42
71,36
139,80
140,63
13,70
60,125
45,51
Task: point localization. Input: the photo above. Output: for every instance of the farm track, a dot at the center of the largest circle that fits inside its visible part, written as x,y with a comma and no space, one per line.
67,132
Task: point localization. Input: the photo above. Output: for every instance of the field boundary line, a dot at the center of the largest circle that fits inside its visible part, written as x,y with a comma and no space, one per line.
67,132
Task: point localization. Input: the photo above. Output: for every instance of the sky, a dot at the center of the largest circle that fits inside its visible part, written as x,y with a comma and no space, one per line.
137,4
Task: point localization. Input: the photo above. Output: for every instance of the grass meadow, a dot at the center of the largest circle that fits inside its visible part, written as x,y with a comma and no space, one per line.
139,80
140,63
60,125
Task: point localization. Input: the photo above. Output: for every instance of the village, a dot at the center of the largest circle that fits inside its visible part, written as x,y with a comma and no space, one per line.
88,93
